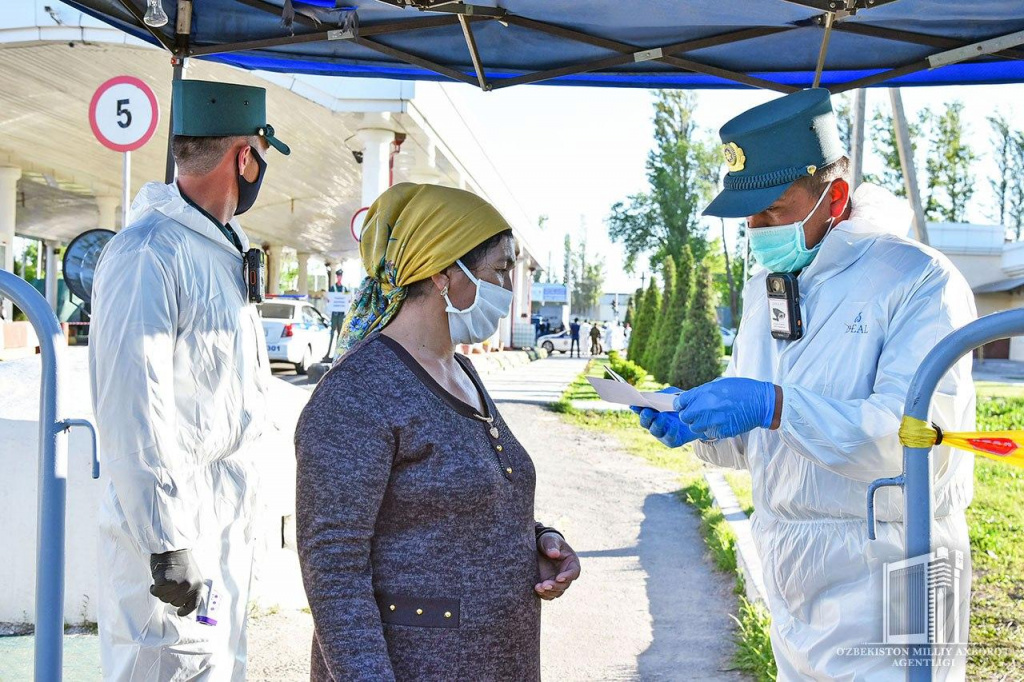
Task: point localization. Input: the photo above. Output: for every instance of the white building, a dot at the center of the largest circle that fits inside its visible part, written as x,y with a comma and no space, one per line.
992,266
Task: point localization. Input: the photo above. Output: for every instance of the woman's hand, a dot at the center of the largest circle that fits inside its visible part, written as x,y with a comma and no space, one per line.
559,566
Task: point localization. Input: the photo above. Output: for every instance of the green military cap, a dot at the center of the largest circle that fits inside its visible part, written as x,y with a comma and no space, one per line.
769,147
208,109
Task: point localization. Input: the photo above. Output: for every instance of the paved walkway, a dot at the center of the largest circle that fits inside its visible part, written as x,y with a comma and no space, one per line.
648,606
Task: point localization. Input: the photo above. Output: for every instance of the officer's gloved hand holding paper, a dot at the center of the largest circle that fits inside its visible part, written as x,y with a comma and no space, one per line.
616,390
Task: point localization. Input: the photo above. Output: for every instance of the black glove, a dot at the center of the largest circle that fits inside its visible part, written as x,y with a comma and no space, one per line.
176,580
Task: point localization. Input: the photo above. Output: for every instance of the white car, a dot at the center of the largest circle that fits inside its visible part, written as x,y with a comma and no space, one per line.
728,336
552,342
296,332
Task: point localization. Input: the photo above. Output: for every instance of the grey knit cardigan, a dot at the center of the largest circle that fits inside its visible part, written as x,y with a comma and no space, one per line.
415,528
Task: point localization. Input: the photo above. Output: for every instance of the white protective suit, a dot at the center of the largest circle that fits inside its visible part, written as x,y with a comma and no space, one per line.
179,375
873,304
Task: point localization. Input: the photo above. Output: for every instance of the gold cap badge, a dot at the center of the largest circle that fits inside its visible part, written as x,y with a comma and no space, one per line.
734,157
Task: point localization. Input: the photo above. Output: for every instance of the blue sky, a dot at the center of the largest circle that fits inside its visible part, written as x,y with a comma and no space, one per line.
570,153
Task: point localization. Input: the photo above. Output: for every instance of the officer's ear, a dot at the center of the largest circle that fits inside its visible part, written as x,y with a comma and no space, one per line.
242,154
839,197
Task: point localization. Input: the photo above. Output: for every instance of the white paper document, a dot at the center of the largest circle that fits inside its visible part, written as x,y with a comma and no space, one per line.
621,393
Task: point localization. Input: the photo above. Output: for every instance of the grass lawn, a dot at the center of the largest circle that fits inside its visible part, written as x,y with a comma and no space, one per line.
995,518
996,522
992,389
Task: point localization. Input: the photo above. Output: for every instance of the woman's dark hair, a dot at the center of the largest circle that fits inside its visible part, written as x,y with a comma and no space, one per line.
471,259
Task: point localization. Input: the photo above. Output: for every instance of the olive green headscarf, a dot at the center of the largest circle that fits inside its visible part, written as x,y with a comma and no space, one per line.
411,233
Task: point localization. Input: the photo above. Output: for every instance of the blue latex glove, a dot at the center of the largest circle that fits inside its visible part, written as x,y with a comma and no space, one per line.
727,407
665,426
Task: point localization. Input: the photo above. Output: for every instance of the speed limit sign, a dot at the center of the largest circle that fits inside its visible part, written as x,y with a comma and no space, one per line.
123,113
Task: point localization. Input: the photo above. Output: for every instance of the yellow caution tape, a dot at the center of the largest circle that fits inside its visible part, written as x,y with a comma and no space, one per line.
1001,446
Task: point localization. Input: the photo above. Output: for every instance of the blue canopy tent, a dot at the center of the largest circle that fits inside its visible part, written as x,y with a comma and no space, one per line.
782,45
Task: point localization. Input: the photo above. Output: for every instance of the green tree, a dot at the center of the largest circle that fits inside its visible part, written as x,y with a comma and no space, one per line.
883,141
647,313
698,358
948,166
675,313
1008,183
28,259
844,119
588,280
653,352
634,300
682,171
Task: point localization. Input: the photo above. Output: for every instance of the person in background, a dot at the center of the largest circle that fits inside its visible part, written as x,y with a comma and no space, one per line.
574,337
420,553
595,339
337,317
179,374
816,418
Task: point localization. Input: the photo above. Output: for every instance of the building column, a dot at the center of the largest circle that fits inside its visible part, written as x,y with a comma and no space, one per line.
425,170
303,287
51,273
8,210
274,253
376,143
107,206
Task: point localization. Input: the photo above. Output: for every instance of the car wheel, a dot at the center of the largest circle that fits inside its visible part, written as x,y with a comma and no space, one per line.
549,347
307,361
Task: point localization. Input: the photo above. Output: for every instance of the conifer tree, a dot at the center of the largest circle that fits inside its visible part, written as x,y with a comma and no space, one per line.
652,354
699,356
675,315
646,314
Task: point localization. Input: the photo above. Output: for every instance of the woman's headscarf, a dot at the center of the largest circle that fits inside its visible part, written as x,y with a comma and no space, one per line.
411,233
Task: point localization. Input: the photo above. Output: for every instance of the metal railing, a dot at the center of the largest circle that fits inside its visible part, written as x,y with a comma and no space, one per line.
917,476
53,466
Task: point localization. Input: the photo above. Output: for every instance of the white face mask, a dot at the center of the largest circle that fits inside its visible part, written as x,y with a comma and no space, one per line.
479,321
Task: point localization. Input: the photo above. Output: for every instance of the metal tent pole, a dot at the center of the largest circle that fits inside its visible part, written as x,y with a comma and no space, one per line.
906,150
859,107
182,33
916,479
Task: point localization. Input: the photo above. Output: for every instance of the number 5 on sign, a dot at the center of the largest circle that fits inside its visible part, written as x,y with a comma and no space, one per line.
123,115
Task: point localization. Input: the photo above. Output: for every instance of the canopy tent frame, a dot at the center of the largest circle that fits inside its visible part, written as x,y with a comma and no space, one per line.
451,14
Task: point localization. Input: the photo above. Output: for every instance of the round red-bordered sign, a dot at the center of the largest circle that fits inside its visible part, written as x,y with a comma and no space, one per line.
352,223
124,113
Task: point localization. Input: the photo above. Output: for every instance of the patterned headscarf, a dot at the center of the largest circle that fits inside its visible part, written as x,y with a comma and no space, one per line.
411,233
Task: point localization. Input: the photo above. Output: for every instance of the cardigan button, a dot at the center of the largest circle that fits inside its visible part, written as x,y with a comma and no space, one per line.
447,614
499,448
419,612
509,470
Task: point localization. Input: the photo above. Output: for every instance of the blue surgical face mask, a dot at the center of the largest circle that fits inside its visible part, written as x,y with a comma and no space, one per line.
783,248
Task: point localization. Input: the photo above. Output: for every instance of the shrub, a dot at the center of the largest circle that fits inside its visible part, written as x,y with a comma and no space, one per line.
674,314
646,315
698,357
627,369
652,354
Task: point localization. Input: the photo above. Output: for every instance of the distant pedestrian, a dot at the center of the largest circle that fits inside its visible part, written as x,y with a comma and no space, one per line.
595,339
574,337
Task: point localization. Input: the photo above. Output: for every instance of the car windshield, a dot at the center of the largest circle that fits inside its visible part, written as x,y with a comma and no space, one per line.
275,311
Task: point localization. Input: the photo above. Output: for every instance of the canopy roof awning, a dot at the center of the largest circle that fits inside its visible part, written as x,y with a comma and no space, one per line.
782,45
1002,286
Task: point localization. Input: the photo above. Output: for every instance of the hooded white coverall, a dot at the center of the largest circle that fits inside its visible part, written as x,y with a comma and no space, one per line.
179,375
873,304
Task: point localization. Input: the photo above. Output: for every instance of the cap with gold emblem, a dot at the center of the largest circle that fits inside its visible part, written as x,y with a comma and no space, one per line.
768,147
209,109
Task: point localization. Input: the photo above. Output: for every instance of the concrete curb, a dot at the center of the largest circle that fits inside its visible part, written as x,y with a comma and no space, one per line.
747,559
